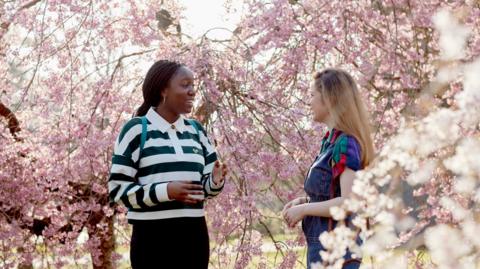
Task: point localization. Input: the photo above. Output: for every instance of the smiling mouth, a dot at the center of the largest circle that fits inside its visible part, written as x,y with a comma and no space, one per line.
190,103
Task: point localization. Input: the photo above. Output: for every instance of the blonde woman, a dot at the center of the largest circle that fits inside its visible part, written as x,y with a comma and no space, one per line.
345,148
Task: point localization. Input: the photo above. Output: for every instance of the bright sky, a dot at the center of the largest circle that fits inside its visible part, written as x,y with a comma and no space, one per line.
202,15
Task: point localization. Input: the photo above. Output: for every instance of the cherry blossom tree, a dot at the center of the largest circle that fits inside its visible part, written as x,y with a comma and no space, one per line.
70,77
396,55
71,73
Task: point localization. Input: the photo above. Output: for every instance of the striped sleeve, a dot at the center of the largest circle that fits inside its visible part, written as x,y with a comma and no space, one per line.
211,189
346,153
123,188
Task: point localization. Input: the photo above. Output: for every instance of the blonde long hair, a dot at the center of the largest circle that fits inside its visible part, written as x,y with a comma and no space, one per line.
346,108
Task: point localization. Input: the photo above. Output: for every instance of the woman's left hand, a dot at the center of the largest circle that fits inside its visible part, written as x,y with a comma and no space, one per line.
219,172
294,214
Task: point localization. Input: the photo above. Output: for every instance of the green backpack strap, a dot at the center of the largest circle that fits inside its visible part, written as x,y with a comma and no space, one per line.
143,137
195,125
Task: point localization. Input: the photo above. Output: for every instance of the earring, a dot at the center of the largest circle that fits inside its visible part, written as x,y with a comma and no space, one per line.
164,100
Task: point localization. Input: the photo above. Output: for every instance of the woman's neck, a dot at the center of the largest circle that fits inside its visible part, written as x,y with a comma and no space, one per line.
330,125
167,114
329,122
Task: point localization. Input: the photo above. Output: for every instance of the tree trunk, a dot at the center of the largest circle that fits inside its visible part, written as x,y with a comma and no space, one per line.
107,241
12,122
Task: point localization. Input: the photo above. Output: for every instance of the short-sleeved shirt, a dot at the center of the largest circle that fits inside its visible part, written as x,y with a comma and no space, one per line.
338,151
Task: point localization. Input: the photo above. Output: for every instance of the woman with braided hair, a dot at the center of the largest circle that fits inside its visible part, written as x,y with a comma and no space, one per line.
163,168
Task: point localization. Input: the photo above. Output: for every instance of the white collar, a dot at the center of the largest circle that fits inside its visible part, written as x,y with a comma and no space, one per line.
162,124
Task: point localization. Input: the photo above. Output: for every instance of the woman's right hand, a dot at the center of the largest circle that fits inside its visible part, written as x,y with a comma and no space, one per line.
185,191
294,202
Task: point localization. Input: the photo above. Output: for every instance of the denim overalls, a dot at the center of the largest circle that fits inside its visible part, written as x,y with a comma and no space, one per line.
338,151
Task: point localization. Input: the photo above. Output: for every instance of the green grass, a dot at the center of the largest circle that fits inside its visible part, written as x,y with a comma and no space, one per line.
271,256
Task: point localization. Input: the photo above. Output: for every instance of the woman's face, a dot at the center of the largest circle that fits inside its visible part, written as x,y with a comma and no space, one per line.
180,94
318,106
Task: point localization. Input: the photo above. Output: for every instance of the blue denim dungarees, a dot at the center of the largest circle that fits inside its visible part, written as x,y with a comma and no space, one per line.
318,186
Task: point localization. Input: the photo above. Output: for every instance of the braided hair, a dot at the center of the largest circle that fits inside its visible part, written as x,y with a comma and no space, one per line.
157,79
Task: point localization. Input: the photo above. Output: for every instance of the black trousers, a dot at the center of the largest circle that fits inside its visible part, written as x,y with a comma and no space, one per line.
170,243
